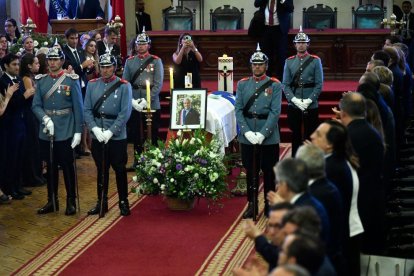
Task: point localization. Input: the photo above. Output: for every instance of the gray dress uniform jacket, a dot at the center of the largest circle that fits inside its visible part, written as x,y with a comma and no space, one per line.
154,72
312,74
267,103
64,106
117,106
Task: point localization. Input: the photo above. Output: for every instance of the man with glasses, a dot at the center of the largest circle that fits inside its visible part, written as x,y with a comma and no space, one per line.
258,106
268,243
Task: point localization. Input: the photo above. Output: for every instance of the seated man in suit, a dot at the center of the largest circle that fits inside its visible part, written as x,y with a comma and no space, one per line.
142,19
188,115
89,9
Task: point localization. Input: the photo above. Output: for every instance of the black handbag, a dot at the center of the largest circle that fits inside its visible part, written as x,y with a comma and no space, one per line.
257,24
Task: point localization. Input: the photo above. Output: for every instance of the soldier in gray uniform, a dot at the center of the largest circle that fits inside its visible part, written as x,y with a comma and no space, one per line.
58,105
138,69
302,80
258,106
107,110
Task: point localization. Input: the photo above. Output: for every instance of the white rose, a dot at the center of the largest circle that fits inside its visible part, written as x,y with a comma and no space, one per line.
179,133
155,180
162,187
35,43
172,180
45,43
134,178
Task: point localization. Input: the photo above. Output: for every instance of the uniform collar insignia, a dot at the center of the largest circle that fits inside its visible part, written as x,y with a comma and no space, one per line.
143,56
57,75
303,55
259,78
109,80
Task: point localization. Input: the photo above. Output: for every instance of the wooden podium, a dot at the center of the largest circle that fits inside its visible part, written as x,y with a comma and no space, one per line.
81,25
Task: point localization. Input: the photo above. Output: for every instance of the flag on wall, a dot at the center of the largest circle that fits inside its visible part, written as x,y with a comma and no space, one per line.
118,8
36,10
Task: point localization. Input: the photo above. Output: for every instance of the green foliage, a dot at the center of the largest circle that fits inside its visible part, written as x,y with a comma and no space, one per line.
188,168
39,40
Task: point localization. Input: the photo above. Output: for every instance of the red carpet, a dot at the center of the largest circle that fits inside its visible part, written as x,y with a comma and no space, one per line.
152,241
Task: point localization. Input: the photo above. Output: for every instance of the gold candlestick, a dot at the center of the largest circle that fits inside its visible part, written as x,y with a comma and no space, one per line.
393,24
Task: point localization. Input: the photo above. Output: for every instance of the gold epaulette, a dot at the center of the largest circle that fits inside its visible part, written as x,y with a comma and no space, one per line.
73,76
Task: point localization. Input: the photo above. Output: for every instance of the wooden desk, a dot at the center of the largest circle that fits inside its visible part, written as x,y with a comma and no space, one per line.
81,25
344,52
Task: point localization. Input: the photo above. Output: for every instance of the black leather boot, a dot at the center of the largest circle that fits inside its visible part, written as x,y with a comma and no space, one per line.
250,212
95,210
124,207
70,206
48,208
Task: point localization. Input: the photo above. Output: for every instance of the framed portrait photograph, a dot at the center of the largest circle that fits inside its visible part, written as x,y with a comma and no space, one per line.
188,108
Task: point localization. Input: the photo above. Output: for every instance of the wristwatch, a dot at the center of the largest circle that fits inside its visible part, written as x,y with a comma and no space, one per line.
195,50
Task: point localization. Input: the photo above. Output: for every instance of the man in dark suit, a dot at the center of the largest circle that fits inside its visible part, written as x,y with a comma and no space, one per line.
407,31
292,185
369,147
327,193
109,45
142,19
274,37
75,56
188,115
89,9
13,128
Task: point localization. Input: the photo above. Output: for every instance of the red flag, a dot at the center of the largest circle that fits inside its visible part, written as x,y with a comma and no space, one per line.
37,12
118,8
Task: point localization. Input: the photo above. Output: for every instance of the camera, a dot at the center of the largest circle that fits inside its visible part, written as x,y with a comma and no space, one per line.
187,38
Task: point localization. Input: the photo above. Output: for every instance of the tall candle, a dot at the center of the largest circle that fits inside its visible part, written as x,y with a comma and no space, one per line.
171,79
148,95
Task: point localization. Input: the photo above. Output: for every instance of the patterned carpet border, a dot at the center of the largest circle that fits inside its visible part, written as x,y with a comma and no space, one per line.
75,241
234,248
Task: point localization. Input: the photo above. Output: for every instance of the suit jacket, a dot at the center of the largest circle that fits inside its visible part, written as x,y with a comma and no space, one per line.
91,10
306,199
144,19
283,12
326,192
192,117
409,27
70,59
268,251
115,51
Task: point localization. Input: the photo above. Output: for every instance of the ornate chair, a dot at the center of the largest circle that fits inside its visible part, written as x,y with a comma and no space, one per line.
179,19
226,18
368,16
319,17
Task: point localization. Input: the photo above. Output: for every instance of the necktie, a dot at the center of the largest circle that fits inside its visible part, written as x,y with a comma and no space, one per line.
271,12
75,53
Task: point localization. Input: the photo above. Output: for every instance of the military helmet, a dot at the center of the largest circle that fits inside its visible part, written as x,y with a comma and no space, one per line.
55,53
301,36
107,60
143,38
258,57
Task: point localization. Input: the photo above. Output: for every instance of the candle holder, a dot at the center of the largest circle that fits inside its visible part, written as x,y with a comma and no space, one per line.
148,119
394,25
29,27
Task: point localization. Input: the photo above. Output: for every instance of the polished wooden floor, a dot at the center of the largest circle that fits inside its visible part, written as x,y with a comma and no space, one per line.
24,233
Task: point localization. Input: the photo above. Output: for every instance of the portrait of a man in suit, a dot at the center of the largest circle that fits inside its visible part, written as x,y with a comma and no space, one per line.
188,115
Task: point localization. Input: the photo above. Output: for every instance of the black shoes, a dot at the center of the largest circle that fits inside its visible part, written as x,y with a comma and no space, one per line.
48,208
16,196
95,210
250,213
4,199
24,192
124,207
70,206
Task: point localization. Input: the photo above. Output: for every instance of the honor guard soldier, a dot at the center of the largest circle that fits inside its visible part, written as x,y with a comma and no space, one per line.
138,69
107,110
58,106
258,106
302,80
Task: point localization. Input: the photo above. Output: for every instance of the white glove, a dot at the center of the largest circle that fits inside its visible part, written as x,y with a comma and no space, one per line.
307,102
49,126
98,134
136,105
143,103
260,137
299,103
107,135
251,137
76,140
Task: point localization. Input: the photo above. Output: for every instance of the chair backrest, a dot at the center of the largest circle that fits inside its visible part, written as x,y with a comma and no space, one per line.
368,16
226,18
319,17
179,19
